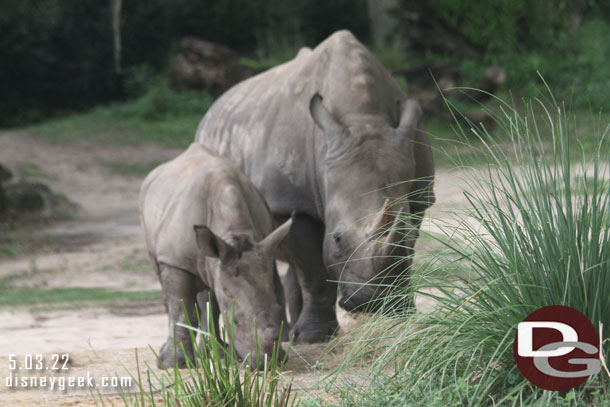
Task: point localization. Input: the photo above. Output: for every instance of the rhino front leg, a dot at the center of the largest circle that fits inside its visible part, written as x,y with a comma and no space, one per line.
179,287
317,321
209,311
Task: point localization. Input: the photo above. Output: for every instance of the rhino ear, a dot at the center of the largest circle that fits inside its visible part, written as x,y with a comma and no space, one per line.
323,118
410,116
209,244
276,237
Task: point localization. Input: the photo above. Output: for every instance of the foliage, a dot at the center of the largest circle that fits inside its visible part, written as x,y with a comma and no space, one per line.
58,54
536,233
564,41
160,116
217,379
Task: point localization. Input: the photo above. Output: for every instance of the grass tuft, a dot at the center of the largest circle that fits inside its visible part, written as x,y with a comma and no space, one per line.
536,232
217,378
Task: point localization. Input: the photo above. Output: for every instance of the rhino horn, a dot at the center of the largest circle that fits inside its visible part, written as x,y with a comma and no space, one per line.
276,237
393,236
383,218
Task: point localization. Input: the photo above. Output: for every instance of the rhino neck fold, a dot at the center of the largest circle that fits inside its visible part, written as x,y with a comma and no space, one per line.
318,176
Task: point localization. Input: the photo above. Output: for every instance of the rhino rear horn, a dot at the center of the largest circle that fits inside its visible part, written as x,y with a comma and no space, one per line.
276,237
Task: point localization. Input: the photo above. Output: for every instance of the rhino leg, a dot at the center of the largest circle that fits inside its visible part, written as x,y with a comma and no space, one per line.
317,321
292,292
179,287
206,301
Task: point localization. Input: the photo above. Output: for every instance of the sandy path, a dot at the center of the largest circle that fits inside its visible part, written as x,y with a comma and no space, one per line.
103,247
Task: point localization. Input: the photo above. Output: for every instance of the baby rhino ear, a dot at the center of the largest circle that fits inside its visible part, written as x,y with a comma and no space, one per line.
209,244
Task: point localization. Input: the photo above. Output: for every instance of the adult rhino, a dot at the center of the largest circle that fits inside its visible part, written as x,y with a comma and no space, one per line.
331,135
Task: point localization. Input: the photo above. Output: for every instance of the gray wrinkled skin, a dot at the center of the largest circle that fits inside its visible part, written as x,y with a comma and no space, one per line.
208,229
333,159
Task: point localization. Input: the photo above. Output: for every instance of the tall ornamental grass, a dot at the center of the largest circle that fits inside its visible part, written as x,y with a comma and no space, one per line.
216,378
535,232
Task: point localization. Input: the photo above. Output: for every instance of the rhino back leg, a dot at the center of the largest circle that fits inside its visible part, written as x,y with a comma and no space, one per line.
317,321
179,287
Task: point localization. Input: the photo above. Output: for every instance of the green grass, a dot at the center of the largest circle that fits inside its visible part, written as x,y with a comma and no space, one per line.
71,297
8,250
218,378
161,116
36,297
135,170
31,172
534,234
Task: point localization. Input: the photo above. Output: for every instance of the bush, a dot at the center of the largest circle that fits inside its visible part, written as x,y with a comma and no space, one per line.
536,233
564,41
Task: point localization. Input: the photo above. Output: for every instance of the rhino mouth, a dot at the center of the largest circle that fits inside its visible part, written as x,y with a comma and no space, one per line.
368,300
257,362
348,303
360,299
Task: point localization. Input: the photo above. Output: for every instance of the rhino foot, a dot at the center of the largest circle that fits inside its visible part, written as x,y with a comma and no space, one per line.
168,358
313,331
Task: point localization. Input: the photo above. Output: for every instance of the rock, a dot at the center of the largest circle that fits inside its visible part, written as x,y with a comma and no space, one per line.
29,196
5,174
3,201
204,65
32,200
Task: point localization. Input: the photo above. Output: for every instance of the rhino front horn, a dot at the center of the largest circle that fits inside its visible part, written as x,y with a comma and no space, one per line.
383,219
393,236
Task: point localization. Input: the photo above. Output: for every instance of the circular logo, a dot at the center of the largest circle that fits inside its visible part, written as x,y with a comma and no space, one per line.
556,348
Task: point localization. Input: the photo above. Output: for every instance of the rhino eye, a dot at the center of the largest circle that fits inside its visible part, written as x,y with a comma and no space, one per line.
339,245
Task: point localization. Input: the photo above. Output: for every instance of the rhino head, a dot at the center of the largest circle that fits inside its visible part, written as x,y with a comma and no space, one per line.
369,169
243,277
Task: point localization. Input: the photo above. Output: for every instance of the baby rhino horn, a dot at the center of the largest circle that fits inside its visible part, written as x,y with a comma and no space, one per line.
276,237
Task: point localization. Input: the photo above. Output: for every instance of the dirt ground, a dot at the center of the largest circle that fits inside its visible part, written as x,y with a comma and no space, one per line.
102,246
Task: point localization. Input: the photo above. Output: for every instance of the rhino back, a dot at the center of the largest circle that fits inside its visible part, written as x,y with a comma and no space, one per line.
197,188
263,124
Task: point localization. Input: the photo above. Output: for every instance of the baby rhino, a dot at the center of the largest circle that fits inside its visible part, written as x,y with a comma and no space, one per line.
209,230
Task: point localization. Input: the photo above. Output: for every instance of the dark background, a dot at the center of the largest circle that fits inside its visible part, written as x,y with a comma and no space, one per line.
57,55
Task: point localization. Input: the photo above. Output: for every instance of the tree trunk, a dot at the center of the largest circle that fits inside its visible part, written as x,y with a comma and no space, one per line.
381,21
116,33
